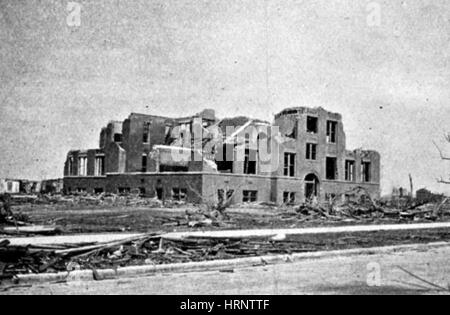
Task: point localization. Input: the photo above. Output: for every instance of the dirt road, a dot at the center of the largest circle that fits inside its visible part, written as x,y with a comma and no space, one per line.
363,274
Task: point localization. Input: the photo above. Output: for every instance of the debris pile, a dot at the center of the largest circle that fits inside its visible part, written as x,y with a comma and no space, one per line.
7,217
159,249
349,211
256,205
213,215
5,208
148,249
99,200
207,217
18,223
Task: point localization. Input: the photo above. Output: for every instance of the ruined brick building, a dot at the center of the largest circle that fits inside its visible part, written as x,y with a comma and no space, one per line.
301,155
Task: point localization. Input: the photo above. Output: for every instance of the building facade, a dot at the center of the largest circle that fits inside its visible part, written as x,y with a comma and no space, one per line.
52,186
301,155
424,195
9,186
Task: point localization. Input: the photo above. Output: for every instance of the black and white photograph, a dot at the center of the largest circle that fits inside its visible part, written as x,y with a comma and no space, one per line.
203,149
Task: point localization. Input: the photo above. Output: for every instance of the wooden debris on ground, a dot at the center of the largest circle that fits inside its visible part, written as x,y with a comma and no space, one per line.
365,211
156,249
105,199
147,249
17,223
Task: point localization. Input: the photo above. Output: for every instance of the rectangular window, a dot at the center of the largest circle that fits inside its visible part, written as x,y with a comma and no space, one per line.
179,194
144,164
250,196
159,193
366,172
331,131
99,166
312,124
70,167
118,137
225,158
173,168
331,168
124,190
289,164
350,171
146,133
82,166
288,198
250,162
99,191
311,151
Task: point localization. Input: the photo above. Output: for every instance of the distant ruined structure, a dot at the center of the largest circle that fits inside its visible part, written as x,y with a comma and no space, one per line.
301,155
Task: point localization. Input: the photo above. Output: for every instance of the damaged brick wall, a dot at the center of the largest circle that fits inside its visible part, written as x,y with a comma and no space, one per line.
308,157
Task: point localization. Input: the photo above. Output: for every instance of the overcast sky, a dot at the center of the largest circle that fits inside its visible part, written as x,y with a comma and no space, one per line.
388,76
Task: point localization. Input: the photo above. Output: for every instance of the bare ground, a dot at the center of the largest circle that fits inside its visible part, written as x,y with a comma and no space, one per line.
99,219
96,219
338,275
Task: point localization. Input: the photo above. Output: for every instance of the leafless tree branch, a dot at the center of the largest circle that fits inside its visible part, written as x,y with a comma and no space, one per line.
442,181
443,157
438,208
212,205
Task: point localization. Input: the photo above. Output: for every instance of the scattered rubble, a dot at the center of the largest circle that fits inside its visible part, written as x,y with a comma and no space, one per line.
217,214
158,249
5,208
18,223
101,200
355,212
154,248
130,213
147,249
370,209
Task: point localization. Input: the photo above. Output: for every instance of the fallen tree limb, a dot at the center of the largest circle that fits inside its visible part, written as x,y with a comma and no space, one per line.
87,250
437,210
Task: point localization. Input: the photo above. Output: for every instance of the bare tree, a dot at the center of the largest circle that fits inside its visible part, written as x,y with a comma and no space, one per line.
438,208
212,205
443,157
